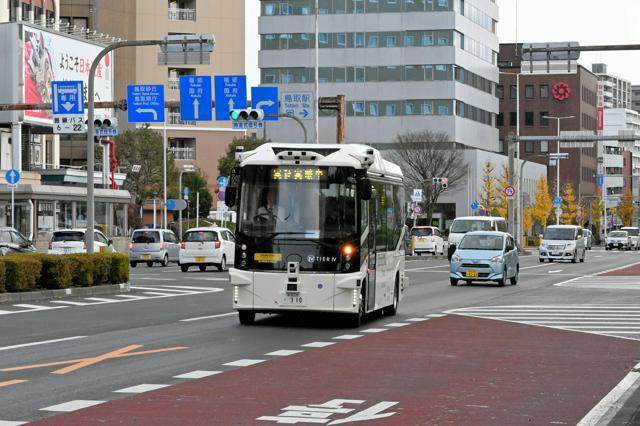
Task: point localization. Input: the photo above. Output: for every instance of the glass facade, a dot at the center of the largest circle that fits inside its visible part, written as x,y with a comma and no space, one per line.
340,7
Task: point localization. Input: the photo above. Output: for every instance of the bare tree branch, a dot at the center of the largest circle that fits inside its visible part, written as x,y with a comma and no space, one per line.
424,155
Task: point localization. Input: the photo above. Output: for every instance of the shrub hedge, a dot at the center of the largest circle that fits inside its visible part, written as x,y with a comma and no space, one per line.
32,271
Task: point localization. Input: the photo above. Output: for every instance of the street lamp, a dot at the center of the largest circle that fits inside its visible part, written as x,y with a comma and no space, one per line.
558,161
186,168
517,213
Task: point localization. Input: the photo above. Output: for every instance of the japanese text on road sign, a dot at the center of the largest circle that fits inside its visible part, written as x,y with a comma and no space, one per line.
298,104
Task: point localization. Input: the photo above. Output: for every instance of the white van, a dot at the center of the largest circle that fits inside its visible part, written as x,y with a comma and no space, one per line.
462,225
562,242
634,233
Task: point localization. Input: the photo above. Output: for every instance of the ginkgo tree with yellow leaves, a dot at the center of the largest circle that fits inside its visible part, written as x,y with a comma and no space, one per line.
626,209
541,209
569,205
489,195
502,207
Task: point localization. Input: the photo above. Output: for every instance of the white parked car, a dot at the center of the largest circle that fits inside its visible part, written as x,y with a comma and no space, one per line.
69,241
153,246
204,247
562,242
634,233
426,239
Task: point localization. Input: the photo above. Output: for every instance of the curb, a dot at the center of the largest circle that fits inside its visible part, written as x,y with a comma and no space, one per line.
36,296
427,257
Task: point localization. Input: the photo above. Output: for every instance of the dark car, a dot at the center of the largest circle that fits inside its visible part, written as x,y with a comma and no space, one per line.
12,241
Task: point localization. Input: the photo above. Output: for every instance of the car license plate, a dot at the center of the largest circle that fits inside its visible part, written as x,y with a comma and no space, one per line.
293,299
471,274
146,256
200,259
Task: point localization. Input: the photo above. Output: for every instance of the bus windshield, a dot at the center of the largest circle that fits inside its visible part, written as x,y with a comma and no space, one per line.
302,210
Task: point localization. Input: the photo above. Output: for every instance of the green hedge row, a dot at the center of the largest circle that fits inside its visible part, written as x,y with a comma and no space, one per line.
33,271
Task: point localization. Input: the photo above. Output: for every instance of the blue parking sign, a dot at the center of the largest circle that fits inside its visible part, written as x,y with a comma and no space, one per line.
145,103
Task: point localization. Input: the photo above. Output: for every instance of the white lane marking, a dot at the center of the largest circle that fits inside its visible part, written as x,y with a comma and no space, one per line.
244,362
38,307
597,256
318,344
77,404
6,312
611,400
141,388
348,336
417,319
209,289
154,293
396,324
44,342
198,374
284,352
10,423
101,300
68,302
154,279
130,296
426,267
374,330
210,279
436,315
537,266
163,288
555,271
209,317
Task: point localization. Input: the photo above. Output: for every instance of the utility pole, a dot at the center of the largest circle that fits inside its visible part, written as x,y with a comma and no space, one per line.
510,201
558,161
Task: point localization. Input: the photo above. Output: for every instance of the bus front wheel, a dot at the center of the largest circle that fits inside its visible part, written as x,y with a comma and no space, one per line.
393,308
247,317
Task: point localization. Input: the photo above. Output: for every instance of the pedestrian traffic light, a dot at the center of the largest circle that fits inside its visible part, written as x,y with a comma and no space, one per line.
443,182
247,114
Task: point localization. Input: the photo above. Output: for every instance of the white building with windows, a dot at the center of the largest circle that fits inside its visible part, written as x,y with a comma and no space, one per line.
402,65
613,91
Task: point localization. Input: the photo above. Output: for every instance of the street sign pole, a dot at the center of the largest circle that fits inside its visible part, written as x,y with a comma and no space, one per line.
13,205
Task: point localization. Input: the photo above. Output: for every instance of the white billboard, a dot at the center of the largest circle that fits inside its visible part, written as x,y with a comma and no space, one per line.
51,57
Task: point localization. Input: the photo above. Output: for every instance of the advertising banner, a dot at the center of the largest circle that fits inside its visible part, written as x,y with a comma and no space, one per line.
51,57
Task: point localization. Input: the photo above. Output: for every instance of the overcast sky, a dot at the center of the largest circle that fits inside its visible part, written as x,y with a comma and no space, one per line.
588,22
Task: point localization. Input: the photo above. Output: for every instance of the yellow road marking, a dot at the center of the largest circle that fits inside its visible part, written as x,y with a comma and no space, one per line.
11,383
76,364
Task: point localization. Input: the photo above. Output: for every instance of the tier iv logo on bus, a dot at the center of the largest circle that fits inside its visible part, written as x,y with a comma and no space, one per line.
322,413
313,259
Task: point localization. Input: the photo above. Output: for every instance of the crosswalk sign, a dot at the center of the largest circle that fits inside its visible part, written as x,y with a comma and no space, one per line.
416,195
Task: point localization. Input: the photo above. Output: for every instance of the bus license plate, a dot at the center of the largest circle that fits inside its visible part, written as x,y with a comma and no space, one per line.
293,299
472,274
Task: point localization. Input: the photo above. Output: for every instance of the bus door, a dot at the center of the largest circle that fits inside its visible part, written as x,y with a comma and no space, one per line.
373,254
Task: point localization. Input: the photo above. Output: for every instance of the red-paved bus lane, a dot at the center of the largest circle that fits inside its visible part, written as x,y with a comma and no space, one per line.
452,370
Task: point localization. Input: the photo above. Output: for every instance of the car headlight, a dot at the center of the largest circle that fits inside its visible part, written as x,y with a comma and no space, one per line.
496,260
456,258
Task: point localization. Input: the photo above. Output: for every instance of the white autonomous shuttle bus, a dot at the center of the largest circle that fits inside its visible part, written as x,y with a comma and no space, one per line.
320,228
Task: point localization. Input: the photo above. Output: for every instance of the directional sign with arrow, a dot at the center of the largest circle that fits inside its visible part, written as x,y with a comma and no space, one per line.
231,93
195,98
146,103
68,97
12,176
266,99
298,104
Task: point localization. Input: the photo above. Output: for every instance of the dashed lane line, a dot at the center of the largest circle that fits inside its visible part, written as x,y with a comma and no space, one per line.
44,342
141,388
72,406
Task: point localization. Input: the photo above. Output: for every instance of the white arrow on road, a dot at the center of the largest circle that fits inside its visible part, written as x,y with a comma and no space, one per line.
267,102
148,111
196,109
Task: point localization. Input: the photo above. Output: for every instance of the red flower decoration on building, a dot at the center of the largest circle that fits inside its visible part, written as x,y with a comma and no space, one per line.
561,91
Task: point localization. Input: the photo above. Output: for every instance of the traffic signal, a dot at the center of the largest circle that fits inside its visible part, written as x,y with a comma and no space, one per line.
104,123
443,182
247,114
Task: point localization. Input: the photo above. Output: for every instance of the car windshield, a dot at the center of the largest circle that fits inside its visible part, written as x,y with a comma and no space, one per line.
146,237
469,225
68,236
200,236
559,234
633,232
481,242
421,232
618,234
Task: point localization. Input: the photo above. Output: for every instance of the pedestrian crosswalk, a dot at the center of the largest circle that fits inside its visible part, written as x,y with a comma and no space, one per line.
603,281
139,293
621,321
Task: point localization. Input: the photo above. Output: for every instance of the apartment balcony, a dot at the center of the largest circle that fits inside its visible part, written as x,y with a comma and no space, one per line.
174,118
183,153
182,14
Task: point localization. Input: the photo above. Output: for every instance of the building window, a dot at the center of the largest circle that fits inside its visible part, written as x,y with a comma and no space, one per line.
372,40
392,41
528,118
500,120
359,40
528,147
427,108
390,110
544,91
544,146
500,145
373,109
528,91
513,94
409,40
427,40
500,91
543,120
513,119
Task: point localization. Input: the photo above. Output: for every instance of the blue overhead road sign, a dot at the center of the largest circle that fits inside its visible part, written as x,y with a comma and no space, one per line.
266,99
231,93
298,104
195,98
12,176
68,97
145,103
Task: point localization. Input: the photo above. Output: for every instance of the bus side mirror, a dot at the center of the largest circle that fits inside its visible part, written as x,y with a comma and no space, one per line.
230,196
364,189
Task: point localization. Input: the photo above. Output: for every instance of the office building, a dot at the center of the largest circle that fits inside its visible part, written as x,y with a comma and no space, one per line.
635,98
613,91
402,66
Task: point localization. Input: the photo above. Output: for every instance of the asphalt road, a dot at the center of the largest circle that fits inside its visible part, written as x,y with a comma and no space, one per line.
174,323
